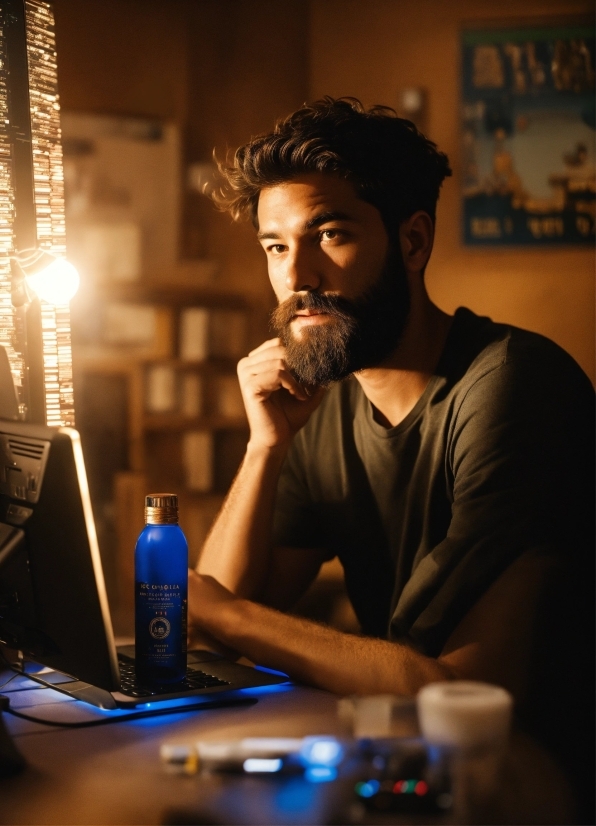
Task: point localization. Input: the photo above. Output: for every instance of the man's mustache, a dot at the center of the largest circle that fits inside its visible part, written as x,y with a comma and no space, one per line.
334,305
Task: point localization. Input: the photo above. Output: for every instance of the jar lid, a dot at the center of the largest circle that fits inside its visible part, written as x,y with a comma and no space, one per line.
464,713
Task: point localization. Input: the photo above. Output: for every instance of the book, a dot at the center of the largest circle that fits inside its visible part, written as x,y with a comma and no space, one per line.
130,324
194,334
228,333
191,395
197,458
227,397
160,389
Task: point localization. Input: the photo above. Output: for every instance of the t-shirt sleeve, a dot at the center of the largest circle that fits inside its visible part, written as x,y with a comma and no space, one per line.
517,457
296,523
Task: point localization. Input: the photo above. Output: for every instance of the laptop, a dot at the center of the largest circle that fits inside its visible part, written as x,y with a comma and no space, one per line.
53,602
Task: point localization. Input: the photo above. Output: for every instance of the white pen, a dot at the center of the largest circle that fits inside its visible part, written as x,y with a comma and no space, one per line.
253,755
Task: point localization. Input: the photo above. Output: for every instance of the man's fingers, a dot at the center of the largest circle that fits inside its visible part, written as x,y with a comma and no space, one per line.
250,363
263,365
272,342
267,364
266,382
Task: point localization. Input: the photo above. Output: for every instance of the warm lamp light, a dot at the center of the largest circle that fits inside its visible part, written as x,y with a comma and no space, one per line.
36,283
52,279
57,284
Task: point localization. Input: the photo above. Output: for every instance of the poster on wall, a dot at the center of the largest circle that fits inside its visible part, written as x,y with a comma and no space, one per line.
528,136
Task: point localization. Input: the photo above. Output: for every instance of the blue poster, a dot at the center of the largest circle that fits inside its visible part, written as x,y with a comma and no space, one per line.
528,136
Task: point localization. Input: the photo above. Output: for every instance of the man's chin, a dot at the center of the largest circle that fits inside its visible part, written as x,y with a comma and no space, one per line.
301,330
312,371
317,354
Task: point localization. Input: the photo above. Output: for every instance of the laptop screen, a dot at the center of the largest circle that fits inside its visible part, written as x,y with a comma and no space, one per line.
53,603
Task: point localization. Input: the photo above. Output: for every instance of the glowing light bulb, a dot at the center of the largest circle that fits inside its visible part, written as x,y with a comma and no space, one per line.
56,284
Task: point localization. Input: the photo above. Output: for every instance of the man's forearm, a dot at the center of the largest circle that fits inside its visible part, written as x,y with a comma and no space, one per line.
327,658
237,550
492,642
309,652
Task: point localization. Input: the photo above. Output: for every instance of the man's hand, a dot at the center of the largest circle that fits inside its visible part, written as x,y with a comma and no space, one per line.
237,552
277,406
205,600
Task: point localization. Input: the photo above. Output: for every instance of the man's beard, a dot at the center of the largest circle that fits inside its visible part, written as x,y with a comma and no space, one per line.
361,333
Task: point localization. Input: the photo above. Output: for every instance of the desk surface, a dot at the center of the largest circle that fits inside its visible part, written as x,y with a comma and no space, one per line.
113,775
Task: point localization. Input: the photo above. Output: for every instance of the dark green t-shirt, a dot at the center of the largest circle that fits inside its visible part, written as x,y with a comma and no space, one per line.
493,460
496,458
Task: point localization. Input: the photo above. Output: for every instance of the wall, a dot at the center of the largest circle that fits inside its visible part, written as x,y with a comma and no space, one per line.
246,68
223,70
370,50
125,57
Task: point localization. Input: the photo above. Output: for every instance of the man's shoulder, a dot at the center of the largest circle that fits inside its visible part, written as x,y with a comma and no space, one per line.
479,346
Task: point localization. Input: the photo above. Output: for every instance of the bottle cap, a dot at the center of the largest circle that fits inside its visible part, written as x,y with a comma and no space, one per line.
161,509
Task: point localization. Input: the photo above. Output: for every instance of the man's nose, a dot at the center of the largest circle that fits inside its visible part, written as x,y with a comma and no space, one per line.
301,273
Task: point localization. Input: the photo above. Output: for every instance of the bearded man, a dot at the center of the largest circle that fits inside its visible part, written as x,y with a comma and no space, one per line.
444,460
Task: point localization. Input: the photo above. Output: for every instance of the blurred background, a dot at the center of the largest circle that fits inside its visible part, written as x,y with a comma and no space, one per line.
173,293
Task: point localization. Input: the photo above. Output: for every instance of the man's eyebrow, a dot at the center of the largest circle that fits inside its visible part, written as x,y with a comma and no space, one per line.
262,235
325,217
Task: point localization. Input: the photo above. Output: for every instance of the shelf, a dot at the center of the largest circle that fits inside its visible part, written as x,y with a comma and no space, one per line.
122,360
172,293
155,422
212,364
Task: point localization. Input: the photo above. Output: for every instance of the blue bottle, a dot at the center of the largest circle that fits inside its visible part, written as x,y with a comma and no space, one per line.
161,594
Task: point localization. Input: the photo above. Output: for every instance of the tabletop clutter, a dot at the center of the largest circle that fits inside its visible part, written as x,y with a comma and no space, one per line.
440,754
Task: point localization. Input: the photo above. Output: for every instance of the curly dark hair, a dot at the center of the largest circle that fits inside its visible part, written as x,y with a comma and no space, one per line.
390,163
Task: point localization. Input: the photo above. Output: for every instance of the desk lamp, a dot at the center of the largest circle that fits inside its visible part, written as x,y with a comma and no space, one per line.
36,282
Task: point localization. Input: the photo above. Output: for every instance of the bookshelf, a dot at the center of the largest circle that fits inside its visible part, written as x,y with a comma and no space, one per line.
169,353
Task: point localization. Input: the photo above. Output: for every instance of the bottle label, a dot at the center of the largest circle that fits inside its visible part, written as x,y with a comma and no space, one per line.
159,628
161,610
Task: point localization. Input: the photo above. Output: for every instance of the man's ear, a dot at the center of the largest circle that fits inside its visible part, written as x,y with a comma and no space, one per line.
416,236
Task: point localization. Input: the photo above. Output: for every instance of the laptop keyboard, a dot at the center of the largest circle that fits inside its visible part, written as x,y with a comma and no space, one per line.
194,680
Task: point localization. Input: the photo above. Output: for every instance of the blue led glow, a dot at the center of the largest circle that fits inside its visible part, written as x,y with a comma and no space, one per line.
321,751
320,774
294,796
271,671
267,689
368,789
434,753
178,706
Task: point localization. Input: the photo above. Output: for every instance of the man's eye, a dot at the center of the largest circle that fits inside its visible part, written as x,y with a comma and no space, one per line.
330,234
276,249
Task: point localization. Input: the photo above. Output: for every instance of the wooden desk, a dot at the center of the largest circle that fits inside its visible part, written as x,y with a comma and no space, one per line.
113,774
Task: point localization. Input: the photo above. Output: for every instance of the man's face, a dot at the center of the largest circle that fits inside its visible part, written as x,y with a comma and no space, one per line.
342,289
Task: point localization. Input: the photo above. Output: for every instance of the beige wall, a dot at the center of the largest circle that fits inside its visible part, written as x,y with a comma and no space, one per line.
223,70
370,50
246,67
124,57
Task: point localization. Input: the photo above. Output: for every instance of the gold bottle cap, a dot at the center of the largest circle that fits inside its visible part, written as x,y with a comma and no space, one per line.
161,509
